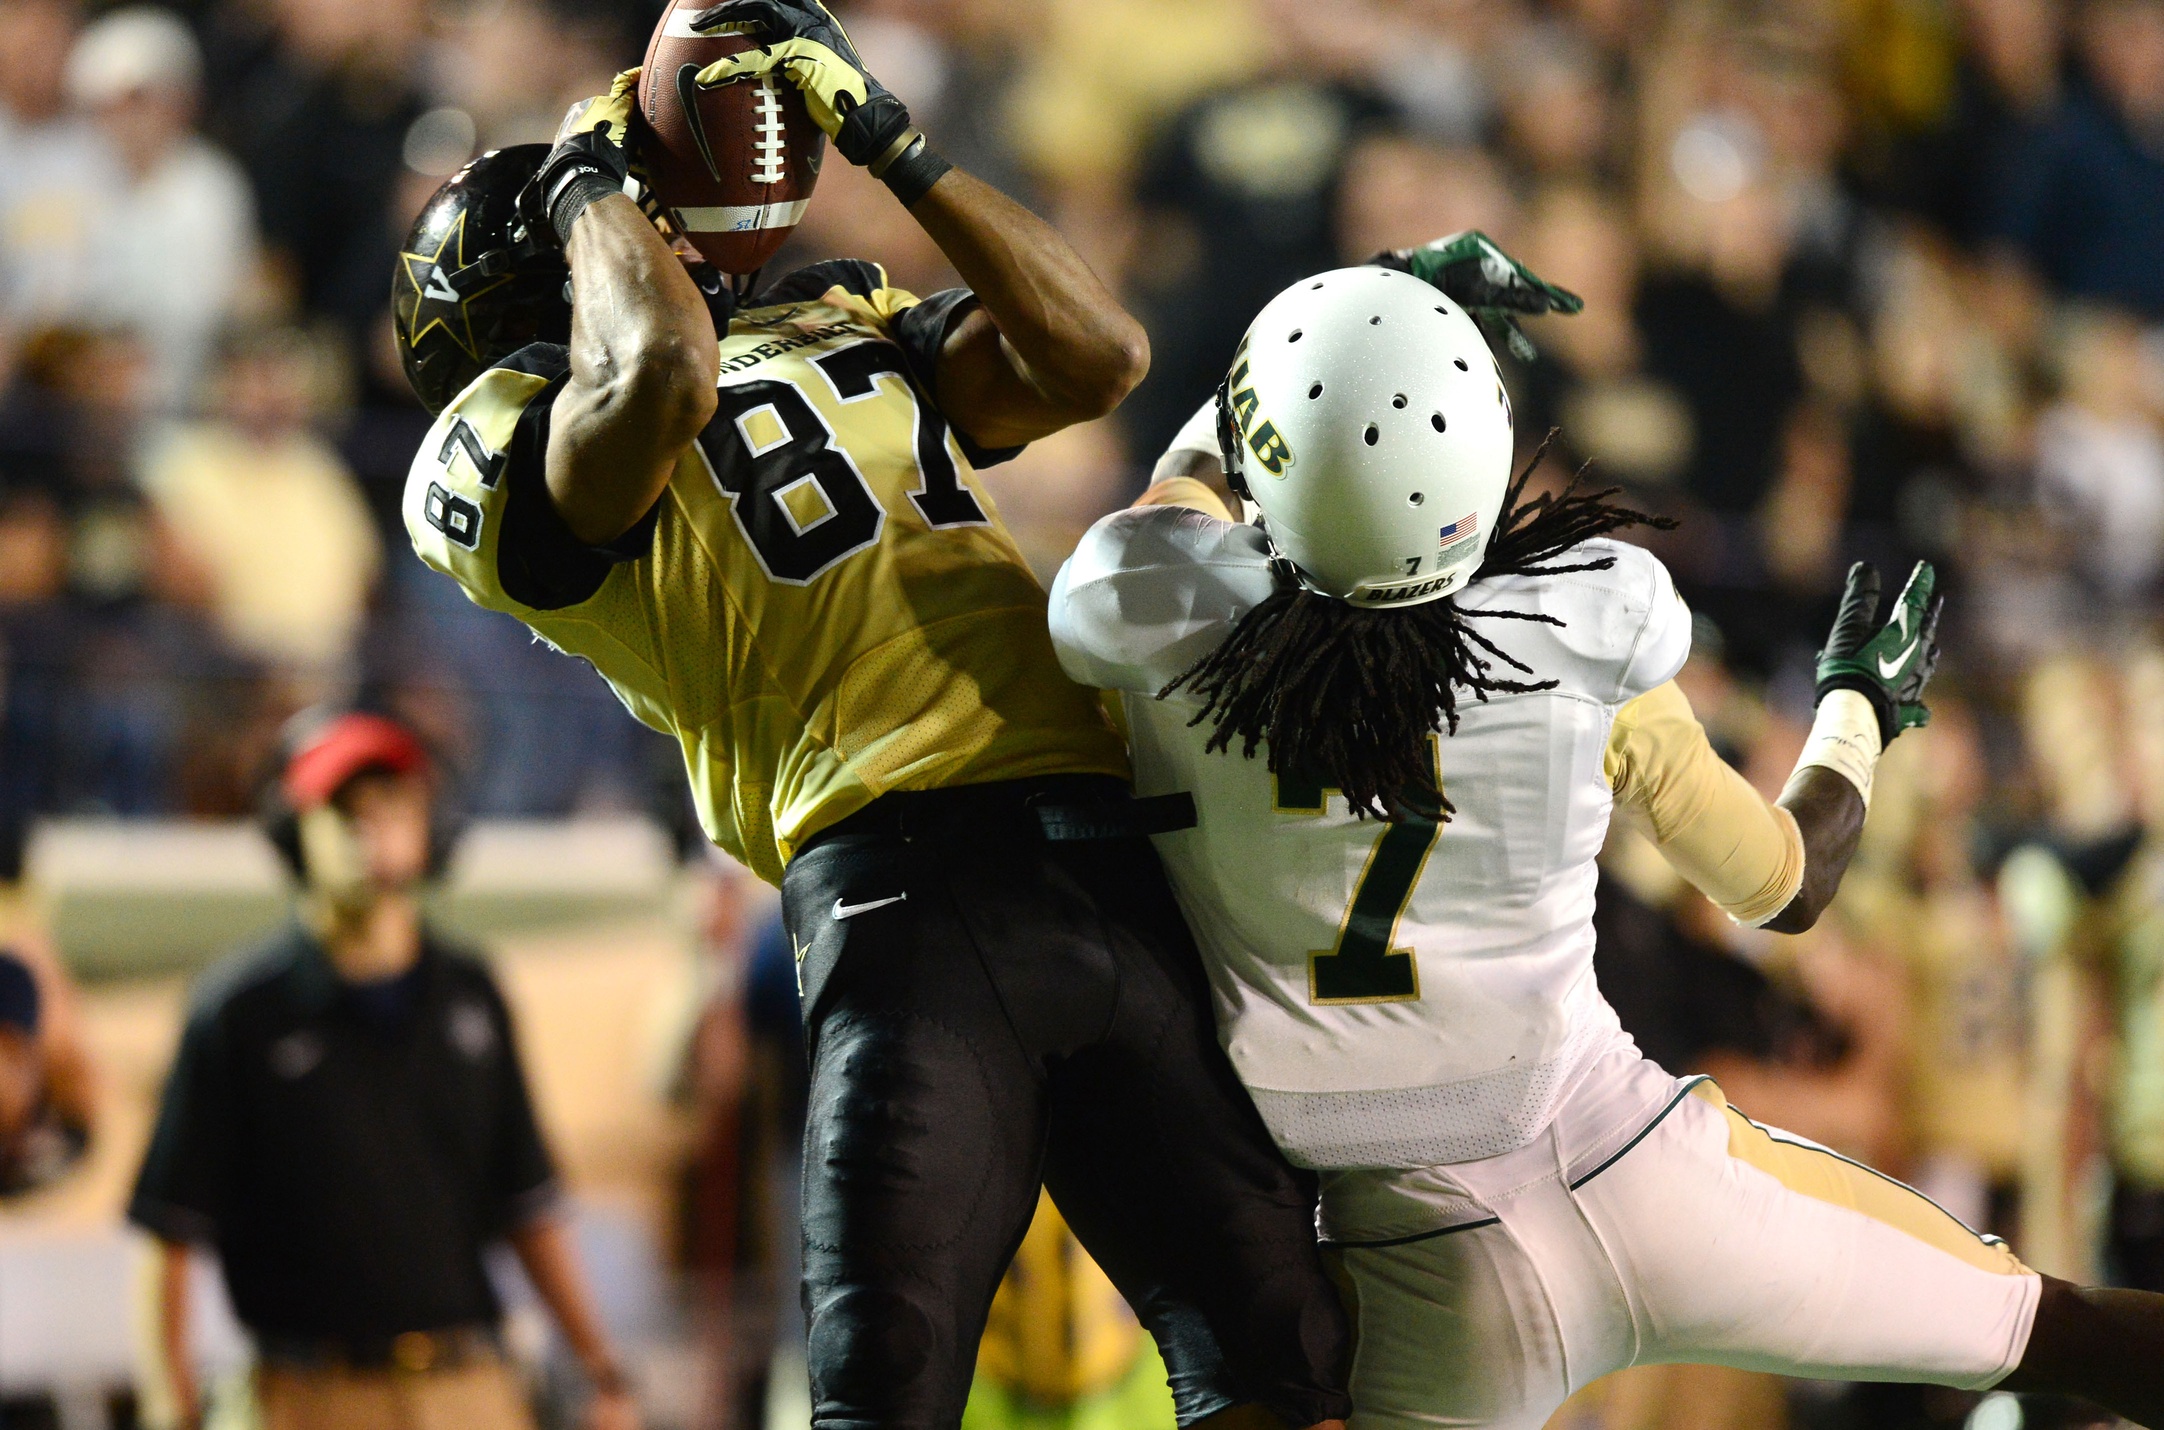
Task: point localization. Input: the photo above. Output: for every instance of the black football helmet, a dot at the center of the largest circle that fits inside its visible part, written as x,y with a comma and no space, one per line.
474,285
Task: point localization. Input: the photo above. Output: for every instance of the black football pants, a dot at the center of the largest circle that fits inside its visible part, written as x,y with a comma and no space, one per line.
986,1007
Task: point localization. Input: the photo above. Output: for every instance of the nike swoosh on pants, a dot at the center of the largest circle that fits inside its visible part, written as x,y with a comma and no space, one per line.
850,911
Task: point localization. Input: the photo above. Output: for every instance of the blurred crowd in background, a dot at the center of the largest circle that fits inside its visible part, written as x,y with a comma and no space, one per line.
1864,279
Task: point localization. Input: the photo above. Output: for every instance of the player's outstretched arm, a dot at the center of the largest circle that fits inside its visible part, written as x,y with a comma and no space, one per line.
1051,345
643,353
1829,817
1871,679
1777,865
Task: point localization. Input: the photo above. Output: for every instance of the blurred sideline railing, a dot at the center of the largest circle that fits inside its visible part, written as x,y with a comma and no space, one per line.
133,897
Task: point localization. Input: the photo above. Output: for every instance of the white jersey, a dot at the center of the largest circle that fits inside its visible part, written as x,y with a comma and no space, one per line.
1393,995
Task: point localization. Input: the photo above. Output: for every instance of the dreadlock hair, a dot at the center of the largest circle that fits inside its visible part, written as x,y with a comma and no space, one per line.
1352,695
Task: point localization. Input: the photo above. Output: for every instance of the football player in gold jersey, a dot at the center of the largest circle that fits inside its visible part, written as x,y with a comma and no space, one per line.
793,572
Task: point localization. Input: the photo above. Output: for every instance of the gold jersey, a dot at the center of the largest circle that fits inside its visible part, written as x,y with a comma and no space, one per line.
822,607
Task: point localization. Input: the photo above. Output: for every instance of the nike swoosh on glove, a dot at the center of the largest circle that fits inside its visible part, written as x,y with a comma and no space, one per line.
1889,664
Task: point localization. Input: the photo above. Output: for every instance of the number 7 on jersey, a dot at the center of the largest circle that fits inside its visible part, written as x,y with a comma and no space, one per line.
1363,967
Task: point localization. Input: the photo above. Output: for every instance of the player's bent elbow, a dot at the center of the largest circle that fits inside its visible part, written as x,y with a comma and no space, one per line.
1791,920
1117,366
668,390
688,408
1800,916
1129,365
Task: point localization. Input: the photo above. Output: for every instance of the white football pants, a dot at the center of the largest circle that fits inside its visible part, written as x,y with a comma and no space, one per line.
1485,1293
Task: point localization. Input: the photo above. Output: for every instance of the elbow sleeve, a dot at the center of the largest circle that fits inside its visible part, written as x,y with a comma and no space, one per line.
1196,437
1188,492
1731,843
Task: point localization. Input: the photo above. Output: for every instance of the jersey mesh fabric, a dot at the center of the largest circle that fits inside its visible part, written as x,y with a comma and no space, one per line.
915,657
1462,1121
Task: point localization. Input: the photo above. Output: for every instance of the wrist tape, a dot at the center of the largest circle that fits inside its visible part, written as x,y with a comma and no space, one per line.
909,167
1845,739
576,190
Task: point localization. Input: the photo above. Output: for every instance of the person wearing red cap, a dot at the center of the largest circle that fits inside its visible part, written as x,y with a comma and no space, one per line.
348,1125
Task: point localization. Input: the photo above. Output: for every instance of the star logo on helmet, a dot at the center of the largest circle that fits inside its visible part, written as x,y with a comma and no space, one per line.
434,301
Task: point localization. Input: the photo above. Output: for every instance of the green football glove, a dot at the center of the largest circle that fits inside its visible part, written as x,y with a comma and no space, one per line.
1488,283
591,159
1888,664
802,42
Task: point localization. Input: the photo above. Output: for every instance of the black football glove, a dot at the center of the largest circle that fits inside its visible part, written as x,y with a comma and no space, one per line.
1487,282
801,41
591,159
1889,664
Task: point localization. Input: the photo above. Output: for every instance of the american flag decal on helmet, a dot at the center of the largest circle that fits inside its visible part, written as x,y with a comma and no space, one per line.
1460,540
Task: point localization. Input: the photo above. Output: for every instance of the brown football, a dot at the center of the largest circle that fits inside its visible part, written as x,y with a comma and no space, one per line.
734,165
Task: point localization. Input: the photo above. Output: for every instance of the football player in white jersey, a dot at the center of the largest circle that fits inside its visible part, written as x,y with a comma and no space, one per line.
1407,702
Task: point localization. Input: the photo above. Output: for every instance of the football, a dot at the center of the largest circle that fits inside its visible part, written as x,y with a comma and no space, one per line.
734,166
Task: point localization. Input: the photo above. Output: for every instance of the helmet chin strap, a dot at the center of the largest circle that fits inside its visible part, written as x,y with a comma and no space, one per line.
1228,442
495,262
1283,567
1228,456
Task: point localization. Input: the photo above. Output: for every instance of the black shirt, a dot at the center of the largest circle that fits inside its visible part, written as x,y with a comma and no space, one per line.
348,1149
1739,374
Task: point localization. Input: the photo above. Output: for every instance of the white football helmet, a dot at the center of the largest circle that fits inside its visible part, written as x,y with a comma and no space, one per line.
1367,419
